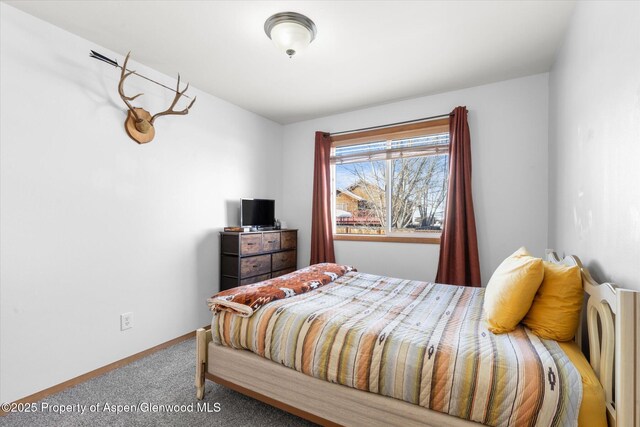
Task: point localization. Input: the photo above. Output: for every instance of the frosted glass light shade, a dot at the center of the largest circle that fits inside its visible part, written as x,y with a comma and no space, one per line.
290,37
291,32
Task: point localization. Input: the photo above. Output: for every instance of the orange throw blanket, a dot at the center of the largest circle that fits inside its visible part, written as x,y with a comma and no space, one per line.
245,300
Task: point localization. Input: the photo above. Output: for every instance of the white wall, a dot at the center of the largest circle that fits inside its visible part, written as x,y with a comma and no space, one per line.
594,141
508,124
93,224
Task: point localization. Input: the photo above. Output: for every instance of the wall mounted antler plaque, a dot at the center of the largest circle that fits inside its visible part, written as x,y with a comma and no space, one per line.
139,122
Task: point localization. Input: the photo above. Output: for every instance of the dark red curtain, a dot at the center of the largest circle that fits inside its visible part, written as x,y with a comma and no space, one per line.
321,227
459,263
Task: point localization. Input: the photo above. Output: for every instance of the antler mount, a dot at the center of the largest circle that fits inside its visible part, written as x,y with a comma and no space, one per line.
139,123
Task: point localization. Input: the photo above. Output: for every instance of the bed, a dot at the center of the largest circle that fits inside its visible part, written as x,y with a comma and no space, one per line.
316,390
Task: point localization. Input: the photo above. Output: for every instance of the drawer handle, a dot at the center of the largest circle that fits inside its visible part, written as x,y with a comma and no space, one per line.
271,241
250,244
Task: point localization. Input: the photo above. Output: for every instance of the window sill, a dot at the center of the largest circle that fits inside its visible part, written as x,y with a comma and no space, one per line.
435,240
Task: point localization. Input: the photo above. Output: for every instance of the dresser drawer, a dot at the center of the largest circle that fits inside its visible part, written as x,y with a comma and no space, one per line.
282,260
270,242
228,283
283,272
288,239
255,265
255,279
250,244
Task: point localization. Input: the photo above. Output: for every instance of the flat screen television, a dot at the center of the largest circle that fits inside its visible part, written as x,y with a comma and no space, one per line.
257,213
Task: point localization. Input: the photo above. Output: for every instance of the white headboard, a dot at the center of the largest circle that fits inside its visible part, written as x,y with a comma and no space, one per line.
612,318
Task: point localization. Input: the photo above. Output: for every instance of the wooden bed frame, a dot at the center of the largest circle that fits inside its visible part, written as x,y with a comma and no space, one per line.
611,315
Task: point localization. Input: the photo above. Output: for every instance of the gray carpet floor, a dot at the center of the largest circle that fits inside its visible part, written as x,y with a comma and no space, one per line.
163,378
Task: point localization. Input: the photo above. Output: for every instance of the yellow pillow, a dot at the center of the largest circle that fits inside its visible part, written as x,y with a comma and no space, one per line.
555,311
511,290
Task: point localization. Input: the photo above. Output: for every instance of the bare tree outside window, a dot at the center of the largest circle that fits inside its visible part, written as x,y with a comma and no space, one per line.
398,195
363,197
418,193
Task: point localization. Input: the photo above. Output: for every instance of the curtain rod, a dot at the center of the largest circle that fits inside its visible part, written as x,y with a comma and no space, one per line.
424,119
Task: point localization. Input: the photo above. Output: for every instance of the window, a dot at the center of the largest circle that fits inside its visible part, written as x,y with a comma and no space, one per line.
391,184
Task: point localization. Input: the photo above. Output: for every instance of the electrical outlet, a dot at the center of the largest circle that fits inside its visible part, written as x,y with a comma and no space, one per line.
126,321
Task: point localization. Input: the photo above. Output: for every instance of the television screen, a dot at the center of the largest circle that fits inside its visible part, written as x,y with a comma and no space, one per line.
257,212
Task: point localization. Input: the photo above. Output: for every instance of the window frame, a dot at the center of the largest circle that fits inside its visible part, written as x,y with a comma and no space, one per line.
405,131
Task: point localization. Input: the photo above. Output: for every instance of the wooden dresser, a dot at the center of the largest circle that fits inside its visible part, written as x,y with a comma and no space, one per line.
255,256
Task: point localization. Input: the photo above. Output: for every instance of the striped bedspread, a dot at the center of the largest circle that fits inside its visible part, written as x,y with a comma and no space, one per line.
420,342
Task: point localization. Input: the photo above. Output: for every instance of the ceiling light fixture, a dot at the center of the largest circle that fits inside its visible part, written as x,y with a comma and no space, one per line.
291,32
